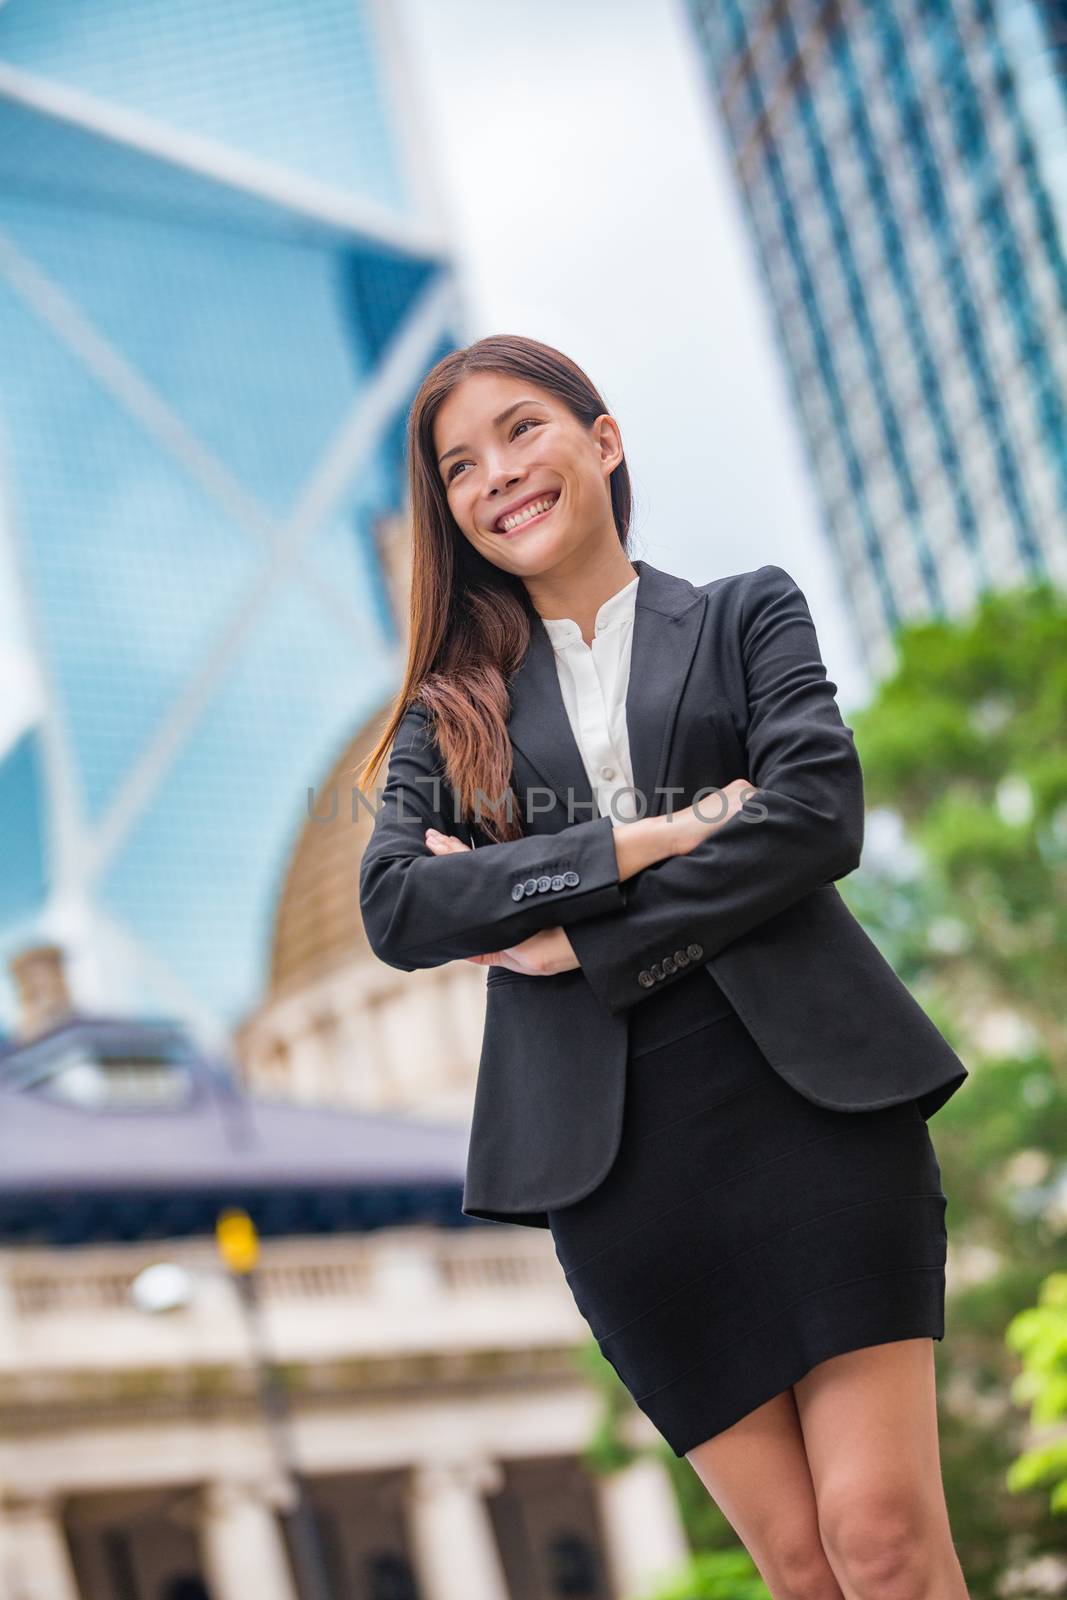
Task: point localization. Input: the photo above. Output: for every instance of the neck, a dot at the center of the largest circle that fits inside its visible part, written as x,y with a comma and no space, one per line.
579,594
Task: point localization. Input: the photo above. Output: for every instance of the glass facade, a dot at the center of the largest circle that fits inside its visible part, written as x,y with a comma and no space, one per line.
903,173
217,296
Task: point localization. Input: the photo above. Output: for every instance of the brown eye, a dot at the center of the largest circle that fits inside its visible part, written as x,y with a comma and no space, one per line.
521,423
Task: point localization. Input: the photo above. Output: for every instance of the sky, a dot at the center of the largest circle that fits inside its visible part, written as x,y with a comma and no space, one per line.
587,192
576,159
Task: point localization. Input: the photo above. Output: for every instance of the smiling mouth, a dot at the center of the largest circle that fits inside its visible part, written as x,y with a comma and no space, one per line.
526,520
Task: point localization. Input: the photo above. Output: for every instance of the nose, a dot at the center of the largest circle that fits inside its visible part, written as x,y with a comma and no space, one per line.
500,478
498,482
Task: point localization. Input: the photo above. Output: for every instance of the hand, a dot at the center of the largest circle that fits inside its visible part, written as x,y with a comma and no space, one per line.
444,844
690,827
540,956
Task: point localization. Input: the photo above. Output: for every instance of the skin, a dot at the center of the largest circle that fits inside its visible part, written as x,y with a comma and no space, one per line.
833,1486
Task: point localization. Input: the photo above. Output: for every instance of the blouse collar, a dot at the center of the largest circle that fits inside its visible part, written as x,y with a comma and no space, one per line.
618,608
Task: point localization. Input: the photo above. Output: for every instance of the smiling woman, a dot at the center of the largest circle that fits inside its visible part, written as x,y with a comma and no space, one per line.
514,455
697,1070
533,459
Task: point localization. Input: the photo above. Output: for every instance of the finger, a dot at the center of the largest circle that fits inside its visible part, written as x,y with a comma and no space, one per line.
444,842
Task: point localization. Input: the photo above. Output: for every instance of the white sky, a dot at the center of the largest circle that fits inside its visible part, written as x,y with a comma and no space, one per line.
589,198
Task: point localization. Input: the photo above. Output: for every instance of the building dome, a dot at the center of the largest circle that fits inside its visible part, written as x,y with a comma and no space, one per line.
318,926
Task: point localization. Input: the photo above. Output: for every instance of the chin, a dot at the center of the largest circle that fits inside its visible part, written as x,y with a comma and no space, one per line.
533,562
530,555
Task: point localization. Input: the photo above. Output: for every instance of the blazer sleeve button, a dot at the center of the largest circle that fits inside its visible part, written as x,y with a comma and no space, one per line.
681,958
543,885
656,969
559,881
669,964
517,891
695,951
645,979
530,886
571,879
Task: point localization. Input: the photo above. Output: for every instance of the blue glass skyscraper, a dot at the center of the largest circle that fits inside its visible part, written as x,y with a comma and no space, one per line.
222,276
903,172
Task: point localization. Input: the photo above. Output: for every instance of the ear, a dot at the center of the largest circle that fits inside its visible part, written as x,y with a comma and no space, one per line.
609,442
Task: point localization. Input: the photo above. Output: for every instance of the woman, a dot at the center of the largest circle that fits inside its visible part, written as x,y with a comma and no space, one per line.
683,1020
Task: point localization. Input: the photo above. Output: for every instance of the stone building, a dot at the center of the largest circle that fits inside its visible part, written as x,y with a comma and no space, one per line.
436,1414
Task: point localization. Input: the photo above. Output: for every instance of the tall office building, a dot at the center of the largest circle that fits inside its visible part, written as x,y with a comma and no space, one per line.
222,276
903,168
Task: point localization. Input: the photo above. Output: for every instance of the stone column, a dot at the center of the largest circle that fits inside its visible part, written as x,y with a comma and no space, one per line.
644,1539
454,1547
8,1347
35,1560
242,1545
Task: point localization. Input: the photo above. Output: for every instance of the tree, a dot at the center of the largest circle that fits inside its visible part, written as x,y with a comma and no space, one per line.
964,752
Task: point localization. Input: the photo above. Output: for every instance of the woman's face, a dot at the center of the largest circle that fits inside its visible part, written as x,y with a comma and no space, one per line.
504,444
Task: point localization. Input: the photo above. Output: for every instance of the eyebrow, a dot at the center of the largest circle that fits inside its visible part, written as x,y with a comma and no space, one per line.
503,417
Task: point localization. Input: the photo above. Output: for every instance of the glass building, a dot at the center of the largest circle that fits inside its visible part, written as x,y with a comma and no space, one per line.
903,169
222,276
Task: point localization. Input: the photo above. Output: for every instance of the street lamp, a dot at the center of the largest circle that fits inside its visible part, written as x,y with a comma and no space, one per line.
238,1245
164,1286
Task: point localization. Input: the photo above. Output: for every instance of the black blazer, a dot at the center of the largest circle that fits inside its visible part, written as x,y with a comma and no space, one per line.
726,681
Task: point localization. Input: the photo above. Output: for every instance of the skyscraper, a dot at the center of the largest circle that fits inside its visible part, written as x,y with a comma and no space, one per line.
902,168
222,276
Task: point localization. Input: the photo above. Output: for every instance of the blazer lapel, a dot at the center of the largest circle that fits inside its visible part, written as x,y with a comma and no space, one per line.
668,613
667,624
540,728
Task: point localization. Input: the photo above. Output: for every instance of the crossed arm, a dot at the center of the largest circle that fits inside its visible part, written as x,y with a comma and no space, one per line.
808,827
638,845
419,911
807,831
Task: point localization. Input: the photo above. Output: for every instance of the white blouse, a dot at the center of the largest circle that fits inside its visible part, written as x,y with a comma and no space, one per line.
593,679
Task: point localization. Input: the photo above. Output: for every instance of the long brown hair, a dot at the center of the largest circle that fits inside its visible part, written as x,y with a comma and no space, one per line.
469,621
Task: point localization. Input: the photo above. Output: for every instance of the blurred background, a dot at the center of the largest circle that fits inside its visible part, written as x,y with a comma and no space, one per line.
814,254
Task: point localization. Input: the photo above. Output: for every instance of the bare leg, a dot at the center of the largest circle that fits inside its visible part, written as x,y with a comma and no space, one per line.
757,1473
869,1424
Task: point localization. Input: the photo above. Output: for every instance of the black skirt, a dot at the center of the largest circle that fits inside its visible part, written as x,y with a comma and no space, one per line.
743,1233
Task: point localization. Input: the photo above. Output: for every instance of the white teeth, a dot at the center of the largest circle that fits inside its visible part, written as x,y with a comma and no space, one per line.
532,510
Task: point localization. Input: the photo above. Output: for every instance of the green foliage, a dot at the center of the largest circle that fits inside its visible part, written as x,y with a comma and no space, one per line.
967,744
715,1575
1039,1335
